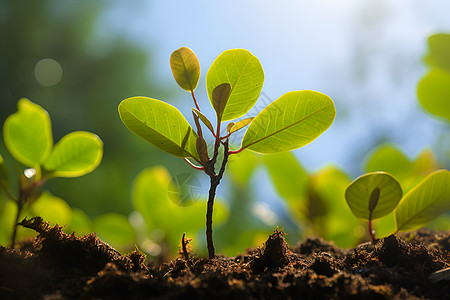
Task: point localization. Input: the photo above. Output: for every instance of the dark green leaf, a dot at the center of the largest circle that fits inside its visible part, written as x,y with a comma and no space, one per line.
220,97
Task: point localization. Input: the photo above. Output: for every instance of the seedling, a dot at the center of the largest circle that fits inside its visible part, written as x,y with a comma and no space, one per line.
29,139
376,194
234,82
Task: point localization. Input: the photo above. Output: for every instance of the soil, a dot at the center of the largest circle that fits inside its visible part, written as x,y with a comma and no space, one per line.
55,265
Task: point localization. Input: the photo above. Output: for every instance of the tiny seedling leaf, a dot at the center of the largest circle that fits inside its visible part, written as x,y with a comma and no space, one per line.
239,125
160,124
220,97
374,197
202,150
185,68
204,119
229,126
292,121
362,193
76,154
423,203
28,134
243,71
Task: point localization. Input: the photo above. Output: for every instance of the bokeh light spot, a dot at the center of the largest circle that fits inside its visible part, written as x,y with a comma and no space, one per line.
48,72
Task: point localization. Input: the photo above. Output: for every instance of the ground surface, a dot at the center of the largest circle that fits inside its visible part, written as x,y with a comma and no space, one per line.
60,266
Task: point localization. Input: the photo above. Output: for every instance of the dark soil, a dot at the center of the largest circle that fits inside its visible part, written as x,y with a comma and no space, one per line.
55,265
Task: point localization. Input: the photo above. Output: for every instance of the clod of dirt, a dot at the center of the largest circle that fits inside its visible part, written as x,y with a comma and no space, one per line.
273,254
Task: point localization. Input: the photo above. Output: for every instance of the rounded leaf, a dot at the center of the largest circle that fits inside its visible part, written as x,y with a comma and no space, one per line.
434,93
423,203
362,190
292,121
185,68
438,53
76,154
115,229
243,71
28,134
52,209
160,124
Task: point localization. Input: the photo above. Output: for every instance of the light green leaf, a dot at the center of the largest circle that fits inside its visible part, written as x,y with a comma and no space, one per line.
160,124
434,93
52,209
115,229
76,154
292,121
359,192
204,119
239,125
79,223
220,97
390,159
4,177
185,68
287,175
28,134
425,202
244,73
438,54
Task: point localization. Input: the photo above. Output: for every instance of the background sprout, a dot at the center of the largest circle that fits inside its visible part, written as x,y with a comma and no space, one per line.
373,196
29,139
234,82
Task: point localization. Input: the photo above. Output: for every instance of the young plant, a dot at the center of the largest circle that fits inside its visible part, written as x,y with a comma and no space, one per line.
234,82
376,194
29,139
373,196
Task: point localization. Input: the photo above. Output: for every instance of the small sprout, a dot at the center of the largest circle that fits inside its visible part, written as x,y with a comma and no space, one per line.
234,82
372,196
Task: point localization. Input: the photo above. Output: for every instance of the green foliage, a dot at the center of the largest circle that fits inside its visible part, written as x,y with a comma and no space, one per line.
115,229
292,121
425,202
244,73
433,90
373,195
160,124
28,134
76,154
185,68
28,137
234,82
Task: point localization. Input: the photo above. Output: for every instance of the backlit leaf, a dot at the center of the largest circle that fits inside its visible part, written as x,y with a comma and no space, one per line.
220,97
390,159
28,134
204,119
244,73
160,124
52,209
185,68
434,93
359,192
425,202
115,229
239,125
292,121
76,154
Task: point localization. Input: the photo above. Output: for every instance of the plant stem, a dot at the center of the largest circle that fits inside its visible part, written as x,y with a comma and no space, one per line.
372,235
195,101
215,181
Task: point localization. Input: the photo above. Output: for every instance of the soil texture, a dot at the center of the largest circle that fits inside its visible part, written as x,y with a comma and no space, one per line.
56,265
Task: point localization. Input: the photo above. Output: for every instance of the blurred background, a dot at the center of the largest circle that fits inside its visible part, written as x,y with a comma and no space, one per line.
79,59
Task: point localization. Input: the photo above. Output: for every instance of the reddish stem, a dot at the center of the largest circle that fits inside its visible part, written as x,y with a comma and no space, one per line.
194,166
235,151
371,233
195,101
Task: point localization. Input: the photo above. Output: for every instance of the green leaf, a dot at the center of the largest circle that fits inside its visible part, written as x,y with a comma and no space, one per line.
160,124
241,166
4,177
359,194
79,223
202,150
204,119
115,229
220,97
239,125
390,159
425,202
28,134
292,121
438,54
52,209
185,68
244,73
76,154
434,93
